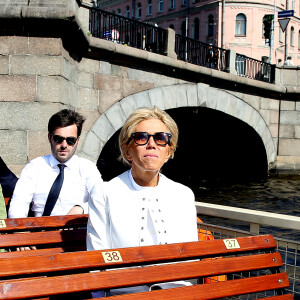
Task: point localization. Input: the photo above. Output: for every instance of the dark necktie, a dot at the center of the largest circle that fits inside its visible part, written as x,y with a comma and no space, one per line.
54,191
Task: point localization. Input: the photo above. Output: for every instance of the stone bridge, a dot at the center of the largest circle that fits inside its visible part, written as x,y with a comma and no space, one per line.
48,61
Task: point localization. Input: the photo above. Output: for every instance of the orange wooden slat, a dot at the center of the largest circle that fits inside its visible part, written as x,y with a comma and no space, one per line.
39,238
44,222
130,256
213,291
136,276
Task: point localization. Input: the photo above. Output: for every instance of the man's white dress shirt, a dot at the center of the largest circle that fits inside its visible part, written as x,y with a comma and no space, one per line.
36,179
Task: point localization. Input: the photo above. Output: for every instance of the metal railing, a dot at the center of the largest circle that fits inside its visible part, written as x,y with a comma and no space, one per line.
112,27
257,221
254,69
202,54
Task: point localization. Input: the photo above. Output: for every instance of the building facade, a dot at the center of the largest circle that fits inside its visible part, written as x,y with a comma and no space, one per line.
243,26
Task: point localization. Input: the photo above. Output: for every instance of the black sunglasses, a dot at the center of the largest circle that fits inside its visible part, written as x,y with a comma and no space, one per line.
59,139
142,138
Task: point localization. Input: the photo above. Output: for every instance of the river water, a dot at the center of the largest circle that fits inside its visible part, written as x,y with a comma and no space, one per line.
277,194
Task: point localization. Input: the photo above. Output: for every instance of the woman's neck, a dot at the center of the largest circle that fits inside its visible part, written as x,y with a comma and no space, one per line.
146,179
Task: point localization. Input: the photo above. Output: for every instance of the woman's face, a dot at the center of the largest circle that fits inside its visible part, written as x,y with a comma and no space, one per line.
148,157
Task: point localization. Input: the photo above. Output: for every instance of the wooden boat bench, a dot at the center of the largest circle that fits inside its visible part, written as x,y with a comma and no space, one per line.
54,234
251,264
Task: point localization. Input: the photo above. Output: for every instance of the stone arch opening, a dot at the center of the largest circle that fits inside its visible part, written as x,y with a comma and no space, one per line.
220,120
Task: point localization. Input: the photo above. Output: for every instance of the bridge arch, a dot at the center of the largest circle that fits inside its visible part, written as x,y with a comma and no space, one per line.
168,97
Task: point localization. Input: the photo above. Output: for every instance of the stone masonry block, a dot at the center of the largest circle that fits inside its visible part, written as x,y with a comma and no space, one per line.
70,71
87,99
223,101
273,130
289,78
36,65
92,147
289,147
17,88
241,107
14,45
13,146
212,98
274,116
103,129
85,79
116,116
192,96
108,83
119,71
297,106
202,94
90,118
53,89
105,68
89,65
287,105
46,46
156,98
287,131
266,115
128,105
174,97
130,87
4,65
142,99
38,144
297,131
107,99
267,103
290,117
253,101
27,115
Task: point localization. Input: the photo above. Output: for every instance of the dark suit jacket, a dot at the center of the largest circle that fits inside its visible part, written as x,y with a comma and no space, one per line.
8,179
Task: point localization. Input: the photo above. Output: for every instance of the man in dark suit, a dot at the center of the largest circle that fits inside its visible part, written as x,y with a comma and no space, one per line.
8,179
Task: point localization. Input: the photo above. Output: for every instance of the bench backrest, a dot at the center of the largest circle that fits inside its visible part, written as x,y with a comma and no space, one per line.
71,272
51,235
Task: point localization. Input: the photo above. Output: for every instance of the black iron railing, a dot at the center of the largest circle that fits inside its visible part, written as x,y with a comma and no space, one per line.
202,54
254,69
112,27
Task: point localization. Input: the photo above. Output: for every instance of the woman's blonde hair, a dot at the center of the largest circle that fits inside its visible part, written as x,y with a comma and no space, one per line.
140,115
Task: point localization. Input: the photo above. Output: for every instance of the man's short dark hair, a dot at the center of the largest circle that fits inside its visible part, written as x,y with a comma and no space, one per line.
64,118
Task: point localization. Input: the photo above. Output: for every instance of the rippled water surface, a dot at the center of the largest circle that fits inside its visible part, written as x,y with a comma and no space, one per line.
278,194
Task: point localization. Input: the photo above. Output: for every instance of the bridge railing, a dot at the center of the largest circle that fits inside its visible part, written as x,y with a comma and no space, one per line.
119,29
200,53
141,35
255,69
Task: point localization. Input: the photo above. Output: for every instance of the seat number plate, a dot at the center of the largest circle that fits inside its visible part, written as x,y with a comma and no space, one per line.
2,224
231,243
112,256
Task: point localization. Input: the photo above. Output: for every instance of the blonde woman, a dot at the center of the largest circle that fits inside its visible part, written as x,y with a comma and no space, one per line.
142,206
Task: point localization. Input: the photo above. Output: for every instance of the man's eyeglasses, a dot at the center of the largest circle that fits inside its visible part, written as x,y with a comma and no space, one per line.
142,138
71,141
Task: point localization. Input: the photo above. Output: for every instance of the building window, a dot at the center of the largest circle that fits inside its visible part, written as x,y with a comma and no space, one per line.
183,2
171,4
160,5
139,10
149,7
299,40
292,36
119,12
280,35
196,29
240,25
127,13
210,27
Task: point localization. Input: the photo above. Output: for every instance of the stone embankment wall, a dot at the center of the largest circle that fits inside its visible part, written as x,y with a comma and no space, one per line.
41,73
